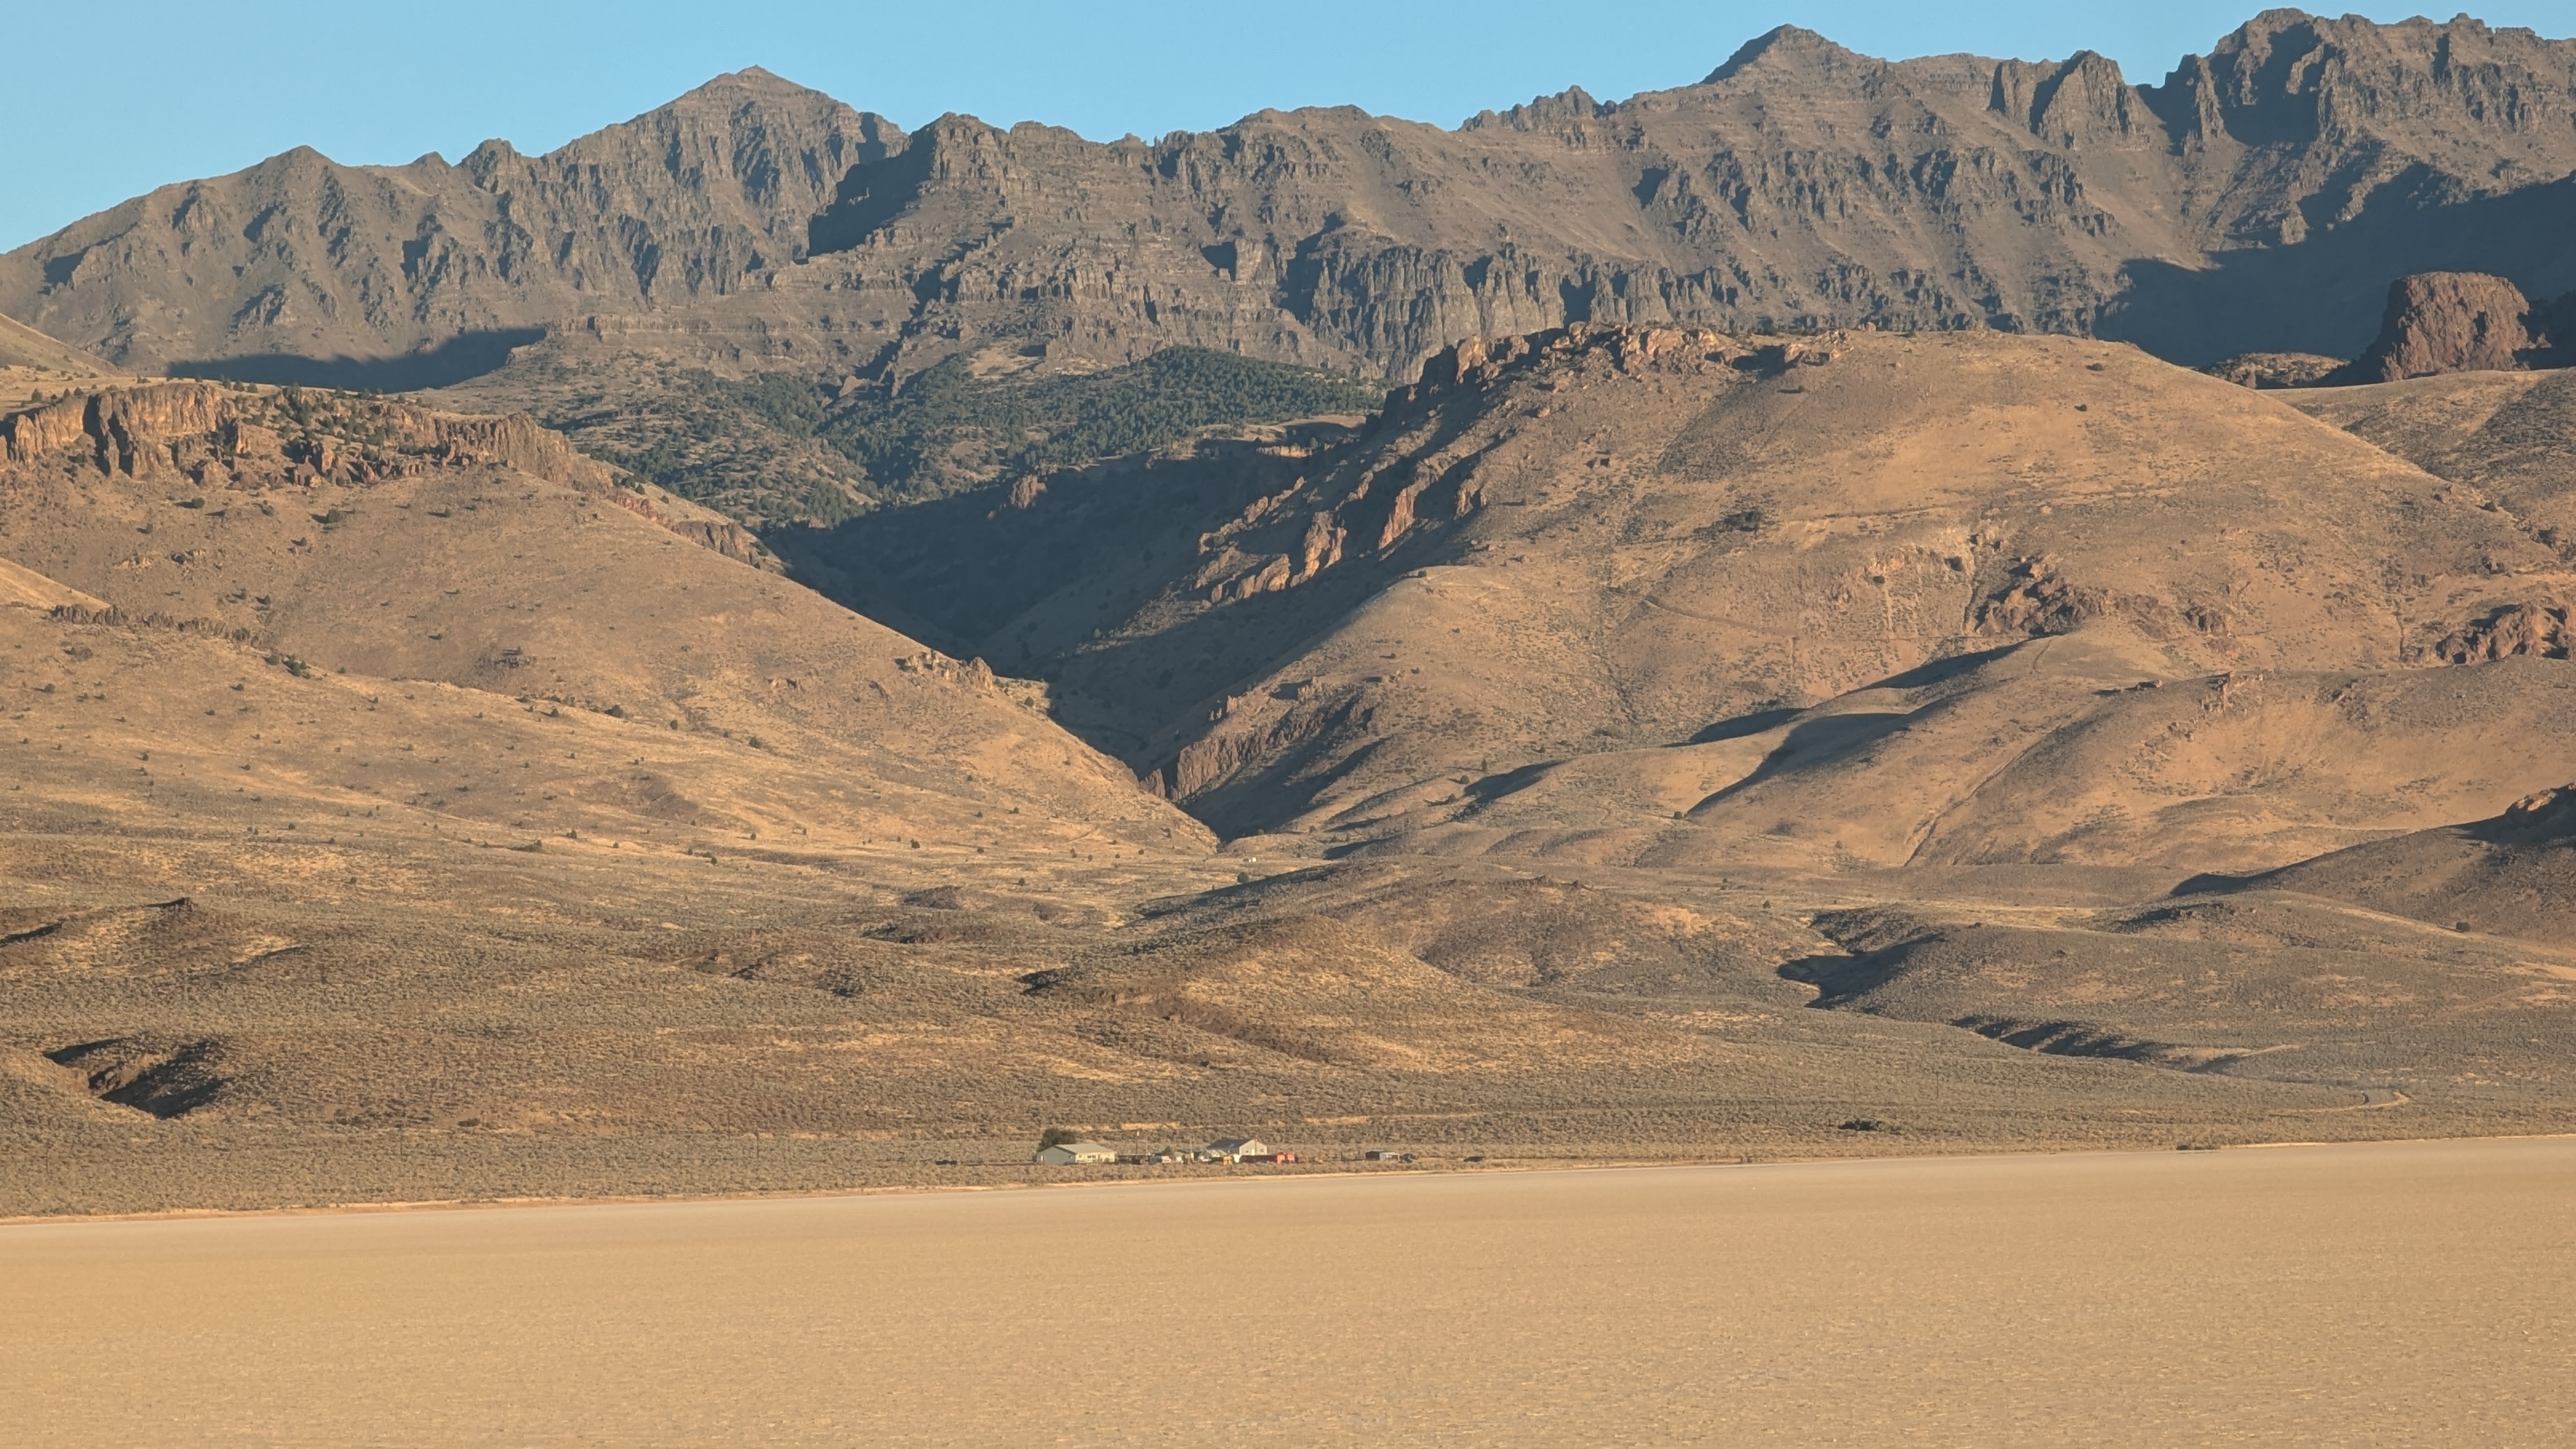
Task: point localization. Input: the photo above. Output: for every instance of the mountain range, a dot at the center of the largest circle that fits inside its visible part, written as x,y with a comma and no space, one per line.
2258,198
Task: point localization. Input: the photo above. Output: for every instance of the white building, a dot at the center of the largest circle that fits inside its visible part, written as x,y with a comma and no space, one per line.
1069,1154
1235,1149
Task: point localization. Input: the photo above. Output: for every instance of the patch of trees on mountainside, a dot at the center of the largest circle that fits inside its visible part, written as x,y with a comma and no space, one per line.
780,448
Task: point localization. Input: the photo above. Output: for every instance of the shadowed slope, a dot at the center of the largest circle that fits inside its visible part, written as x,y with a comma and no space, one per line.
2511,875
2068,751
2256,986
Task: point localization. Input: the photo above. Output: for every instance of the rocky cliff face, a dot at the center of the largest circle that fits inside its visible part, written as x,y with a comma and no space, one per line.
248,439
212,435
302,258
2258,199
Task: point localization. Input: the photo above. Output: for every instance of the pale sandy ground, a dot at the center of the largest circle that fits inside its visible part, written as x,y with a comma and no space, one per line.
2413,1292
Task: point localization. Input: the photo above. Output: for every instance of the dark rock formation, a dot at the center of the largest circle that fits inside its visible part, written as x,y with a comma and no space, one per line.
2440,322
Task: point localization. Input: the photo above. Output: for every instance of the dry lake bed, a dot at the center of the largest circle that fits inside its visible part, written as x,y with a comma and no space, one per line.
2403,1292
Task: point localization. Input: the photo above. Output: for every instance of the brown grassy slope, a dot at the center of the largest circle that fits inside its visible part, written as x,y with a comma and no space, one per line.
1329,993
481,577
23,349
274,932
116,728
2074,749
2512,875
262,948
1612,539
257,932
350,901
1500,926
27,588
2270,985
2506,439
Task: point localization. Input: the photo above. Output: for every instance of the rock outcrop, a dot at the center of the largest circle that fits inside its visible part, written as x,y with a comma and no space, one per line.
253,437
2253,201
2538,630
246,439
2439,322
2543,809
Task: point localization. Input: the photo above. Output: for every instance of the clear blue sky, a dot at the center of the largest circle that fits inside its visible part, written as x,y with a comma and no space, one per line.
102,102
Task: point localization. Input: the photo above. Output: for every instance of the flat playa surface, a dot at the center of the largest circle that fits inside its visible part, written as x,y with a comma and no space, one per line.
2374,1293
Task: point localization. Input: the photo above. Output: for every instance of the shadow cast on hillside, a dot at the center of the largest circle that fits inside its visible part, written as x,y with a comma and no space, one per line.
459,358
2325,294
1745,724
2216,883
1815,744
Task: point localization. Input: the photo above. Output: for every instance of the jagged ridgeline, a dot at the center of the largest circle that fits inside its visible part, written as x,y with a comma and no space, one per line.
782,448
2258,198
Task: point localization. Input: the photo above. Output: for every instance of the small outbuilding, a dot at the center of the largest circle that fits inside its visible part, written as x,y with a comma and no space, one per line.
1076,1154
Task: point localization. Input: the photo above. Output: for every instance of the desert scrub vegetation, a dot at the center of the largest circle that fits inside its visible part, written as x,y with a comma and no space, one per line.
945,429
784,449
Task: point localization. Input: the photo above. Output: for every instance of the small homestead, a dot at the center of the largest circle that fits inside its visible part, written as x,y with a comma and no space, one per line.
1224,1149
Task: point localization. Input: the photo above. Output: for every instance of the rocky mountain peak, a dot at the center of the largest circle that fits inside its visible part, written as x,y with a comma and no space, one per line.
1573,103
2287,77
1794,51
755,77
487,159
2072,102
